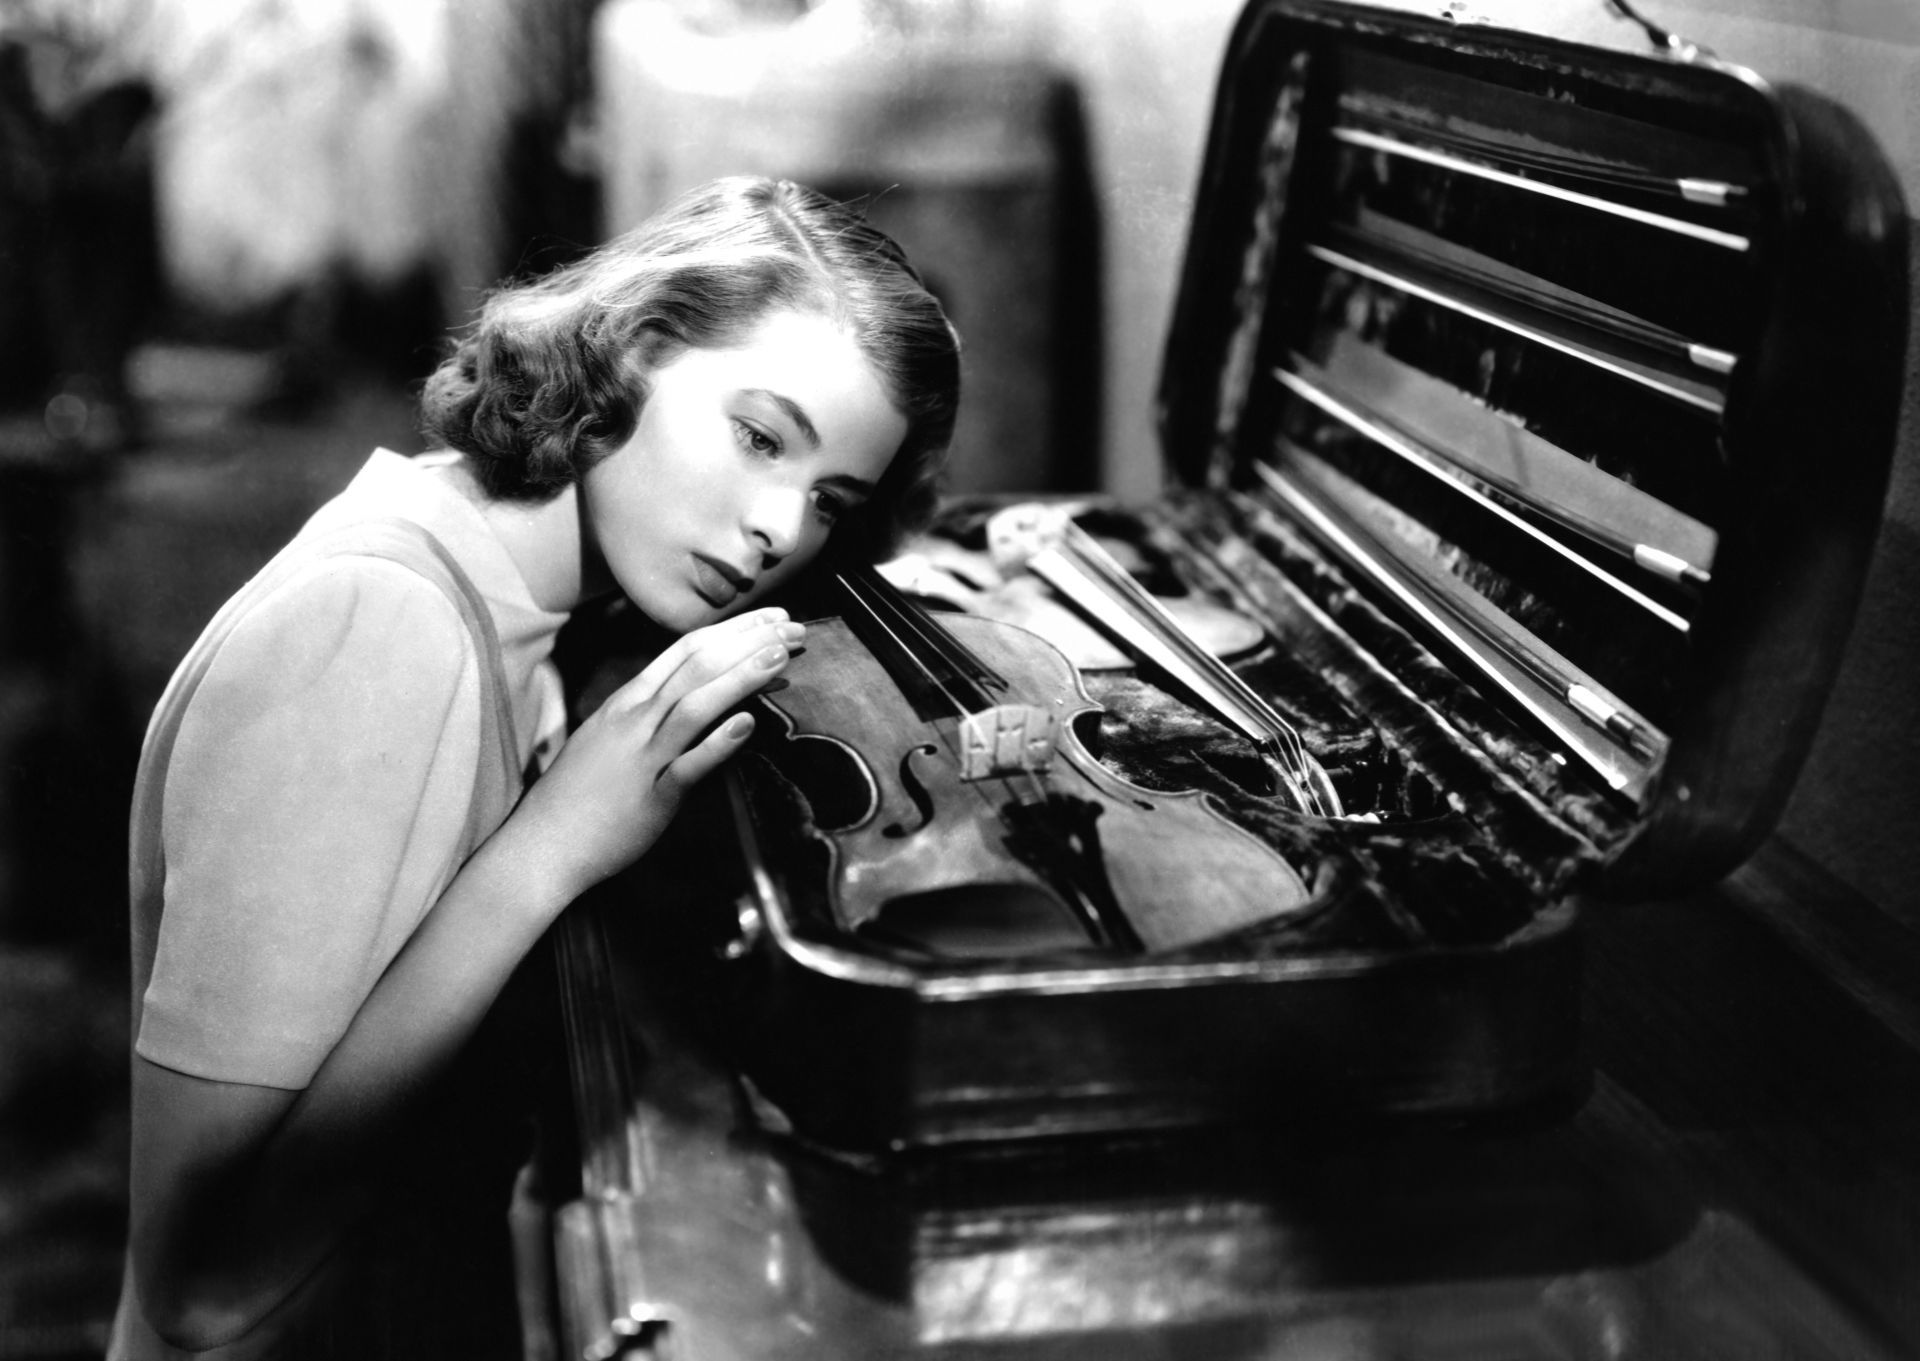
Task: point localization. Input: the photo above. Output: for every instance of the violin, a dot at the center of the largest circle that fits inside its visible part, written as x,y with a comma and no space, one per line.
980,825
1044,540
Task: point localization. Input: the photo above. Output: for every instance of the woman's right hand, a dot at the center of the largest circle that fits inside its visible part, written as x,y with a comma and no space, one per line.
621,775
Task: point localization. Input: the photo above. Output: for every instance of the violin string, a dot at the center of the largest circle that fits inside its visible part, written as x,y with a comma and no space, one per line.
957,655
856,591
869,597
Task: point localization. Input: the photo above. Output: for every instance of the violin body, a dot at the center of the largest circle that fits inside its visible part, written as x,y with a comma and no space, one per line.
928,856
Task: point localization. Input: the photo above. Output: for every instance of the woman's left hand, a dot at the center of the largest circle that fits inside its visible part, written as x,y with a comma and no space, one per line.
621,776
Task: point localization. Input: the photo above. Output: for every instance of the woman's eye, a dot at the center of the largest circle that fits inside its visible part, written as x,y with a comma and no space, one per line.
754,440
829,506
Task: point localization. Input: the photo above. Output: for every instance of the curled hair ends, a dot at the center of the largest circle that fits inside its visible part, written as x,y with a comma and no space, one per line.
550,376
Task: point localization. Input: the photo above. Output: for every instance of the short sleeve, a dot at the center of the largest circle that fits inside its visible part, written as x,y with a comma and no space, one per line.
314,805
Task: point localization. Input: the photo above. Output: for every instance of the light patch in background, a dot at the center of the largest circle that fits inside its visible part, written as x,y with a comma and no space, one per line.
296,140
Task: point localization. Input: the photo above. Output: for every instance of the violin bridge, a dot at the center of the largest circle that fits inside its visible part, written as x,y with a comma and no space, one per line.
1007,739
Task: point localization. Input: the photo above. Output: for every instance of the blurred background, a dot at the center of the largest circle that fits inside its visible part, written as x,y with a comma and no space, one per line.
233,233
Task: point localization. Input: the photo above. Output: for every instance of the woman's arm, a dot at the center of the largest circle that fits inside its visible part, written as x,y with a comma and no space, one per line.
240,1192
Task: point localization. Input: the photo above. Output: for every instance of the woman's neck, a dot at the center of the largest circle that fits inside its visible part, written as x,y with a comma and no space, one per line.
543,538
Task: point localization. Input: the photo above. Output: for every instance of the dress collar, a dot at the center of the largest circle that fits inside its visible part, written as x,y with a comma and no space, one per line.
394,484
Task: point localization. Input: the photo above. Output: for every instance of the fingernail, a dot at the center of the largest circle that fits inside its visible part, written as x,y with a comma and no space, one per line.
791,633
770,657
739,725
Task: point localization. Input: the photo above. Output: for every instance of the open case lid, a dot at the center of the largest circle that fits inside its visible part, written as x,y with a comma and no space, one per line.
1586,366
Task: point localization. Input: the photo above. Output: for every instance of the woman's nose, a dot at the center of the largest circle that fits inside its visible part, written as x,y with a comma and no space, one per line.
775,518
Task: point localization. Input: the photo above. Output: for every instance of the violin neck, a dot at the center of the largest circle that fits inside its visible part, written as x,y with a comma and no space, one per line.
940,676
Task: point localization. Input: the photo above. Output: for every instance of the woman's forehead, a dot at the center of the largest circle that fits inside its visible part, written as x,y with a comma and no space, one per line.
794,353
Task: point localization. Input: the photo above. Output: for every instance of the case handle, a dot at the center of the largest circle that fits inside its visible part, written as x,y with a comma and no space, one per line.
1665,39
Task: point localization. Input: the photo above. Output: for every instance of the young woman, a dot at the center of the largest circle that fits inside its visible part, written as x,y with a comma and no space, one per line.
335,867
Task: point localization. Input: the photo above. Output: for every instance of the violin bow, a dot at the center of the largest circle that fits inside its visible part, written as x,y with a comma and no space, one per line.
1045,541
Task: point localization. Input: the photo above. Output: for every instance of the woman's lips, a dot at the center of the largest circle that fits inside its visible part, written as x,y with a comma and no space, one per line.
717,583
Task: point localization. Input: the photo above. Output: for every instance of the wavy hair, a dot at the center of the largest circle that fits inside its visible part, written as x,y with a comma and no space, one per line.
550,377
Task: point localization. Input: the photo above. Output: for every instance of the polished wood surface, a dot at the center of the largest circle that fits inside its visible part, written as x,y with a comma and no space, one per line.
1739,1182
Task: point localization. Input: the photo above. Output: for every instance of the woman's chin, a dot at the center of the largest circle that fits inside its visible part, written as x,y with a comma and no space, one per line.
685,615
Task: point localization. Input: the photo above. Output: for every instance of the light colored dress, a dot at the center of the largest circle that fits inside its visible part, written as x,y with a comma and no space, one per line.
349,728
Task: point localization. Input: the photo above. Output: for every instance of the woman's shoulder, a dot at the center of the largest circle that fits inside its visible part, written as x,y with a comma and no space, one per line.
346,620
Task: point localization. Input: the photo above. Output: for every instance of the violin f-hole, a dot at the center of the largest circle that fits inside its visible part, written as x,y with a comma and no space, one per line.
910,785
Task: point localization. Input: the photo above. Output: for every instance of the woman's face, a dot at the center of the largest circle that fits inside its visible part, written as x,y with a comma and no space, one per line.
742,459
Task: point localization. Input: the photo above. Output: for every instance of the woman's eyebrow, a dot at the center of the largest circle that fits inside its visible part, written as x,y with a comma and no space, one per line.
795,412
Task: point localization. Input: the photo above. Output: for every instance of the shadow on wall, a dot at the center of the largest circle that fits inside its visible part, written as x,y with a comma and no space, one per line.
1856,808
77,238
105,579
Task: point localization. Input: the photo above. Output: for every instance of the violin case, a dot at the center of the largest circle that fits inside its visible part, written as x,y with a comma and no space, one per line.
1538,403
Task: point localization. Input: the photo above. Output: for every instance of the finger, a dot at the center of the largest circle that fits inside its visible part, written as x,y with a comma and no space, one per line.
690,642
699,656
681,724
731,639
694,765
763,648
770,614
